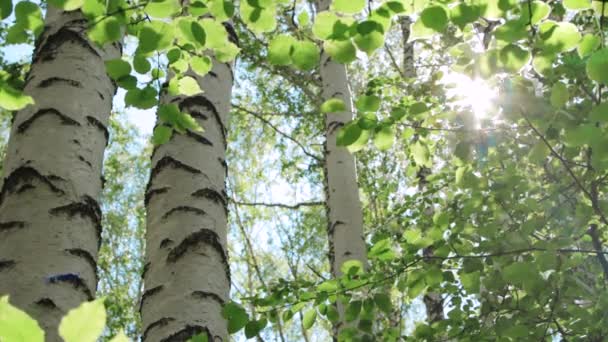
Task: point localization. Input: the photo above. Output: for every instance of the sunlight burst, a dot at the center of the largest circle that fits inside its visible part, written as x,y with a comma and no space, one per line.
476,94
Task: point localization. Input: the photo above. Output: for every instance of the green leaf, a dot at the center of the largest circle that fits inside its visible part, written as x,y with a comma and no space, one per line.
511,31
303,18
368,103
188,86
383,301
117,68
120,337
141,98
368,121
259,19
163,8
141,64
352,311
237,317
253,328
12,99
309,318
333,105
201,65
16,325
161,135
463,14
599,113
577,4
323,26
6,8
342,51
559,95
215,33
435,18
540,11
348,134
106,31
471,281
597,66
351,267
227,53
155,36
348,6
84,323
384,137
28,16
588,44
202,337
420,153
280,49
221,10
558,37
513,57
305,55
67,5
369,37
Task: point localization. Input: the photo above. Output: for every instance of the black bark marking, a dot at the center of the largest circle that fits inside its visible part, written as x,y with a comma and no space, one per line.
81,253
331,229
96,123
74,279
168,161
212,195
145,270
201,139
5,226
205,236
26,174
232,35
65,120
81,158
205,294
149,293
46,303
186,333
7,264
47,50
52,80
166,243
87,207
200,100
154,192
184,208
25,188
333,126
160,323
198,115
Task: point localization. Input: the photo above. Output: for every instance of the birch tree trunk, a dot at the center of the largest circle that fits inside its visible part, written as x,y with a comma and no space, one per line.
344,210
409,69
50,220
187,276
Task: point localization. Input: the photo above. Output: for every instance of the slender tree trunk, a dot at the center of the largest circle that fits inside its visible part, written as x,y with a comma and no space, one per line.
187,276
409,69
50,220
344,210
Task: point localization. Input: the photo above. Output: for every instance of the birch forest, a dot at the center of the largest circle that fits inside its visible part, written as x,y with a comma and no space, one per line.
303,170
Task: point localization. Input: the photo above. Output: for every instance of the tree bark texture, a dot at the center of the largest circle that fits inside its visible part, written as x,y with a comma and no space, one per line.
50,219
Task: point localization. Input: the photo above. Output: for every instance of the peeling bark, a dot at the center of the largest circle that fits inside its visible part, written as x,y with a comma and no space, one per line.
50,230
186,233
344,210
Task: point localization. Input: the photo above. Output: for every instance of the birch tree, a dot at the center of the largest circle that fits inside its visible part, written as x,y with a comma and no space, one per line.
187,276
50,219
344,211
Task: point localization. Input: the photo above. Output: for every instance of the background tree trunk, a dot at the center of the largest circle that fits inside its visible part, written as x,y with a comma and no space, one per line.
344,210
50,220
187,276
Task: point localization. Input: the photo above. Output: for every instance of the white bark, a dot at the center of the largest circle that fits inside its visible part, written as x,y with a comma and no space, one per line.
187,277
50,221
344,210
409,69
